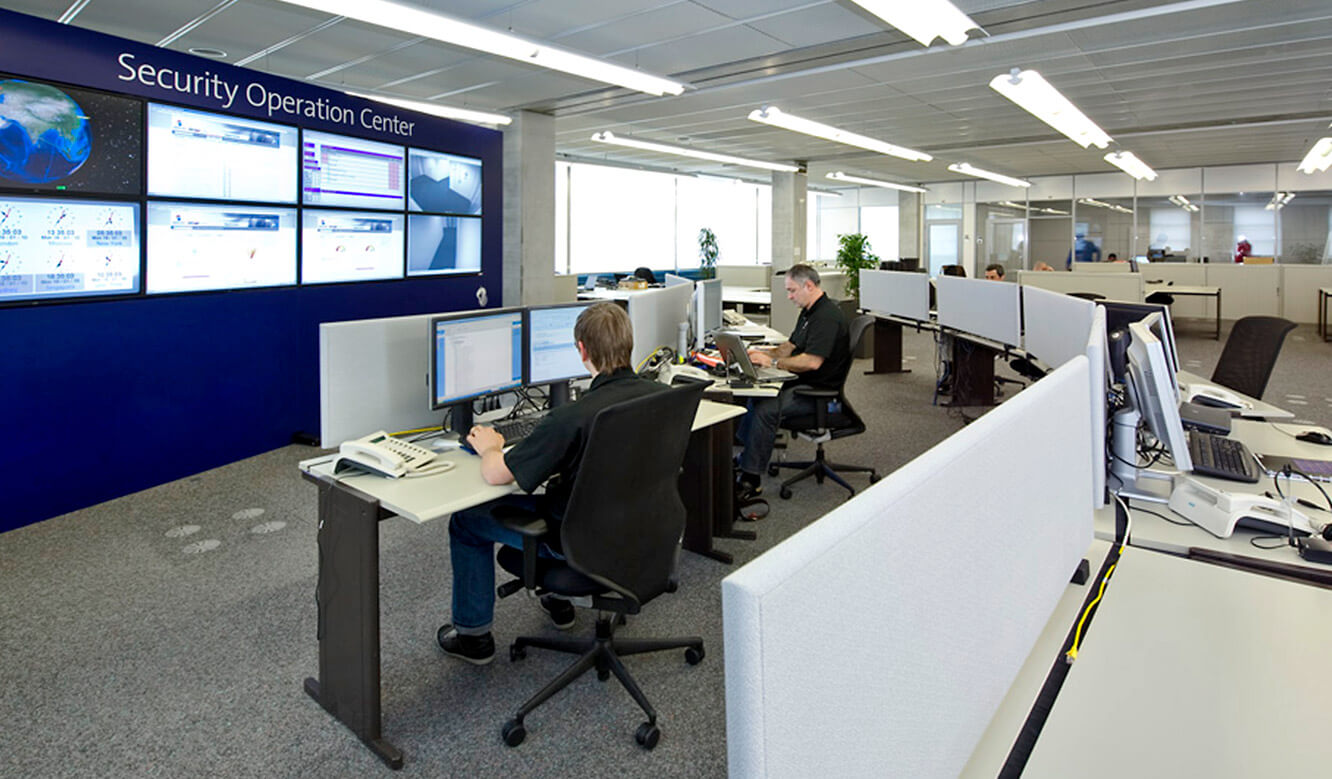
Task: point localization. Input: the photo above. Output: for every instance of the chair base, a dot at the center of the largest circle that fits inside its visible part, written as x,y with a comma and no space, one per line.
820,468
602,652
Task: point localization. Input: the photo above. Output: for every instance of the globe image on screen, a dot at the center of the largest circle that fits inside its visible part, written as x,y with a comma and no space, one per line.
44,134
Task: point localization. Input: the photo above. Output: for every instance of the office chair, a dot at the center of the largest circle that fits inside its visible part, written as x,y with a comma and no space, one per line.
646,274
1087,295
954,270
825,425
620,537
1250,354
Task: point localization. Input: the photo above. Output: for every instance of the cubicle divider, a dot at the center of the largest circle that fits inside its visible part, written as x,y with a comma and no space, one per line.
896,293
1113,286
884,636
988,309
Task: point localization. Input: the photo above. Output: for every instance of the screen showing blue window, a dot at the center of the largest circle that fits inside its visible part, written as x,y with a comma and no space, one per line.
552,354
475,354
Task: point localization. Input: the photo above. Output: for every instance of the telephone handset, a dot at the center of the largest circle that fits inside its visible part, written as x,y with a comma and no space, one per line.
385,455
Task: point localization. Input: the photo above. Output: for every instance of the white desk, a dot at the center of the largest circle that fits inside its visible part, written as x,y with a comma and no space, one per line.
747,296
1189,291
1260,409
1193,670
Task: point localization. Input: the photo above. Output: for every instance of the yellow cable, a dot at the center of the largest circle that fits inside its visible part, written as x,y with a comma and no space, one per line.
1072,653
417,430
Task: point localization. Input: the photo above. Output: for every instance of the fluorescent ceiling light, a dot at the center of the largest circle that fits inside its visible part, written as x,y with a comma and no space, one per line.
840,176
609,137
1128,162
1038,97
778,118
1182,202
1279,201
456,32
448,112
1319,157
923,20
1087,201
970,170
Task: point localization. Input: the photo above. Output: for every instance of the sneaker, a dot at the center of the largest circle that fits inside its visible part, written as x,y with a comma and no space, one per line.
748,486
477,650
561,611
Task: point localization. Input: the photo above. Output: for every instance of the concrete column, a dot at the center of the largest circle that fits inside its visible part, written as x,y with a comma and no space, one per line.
909,219
529,210
789,216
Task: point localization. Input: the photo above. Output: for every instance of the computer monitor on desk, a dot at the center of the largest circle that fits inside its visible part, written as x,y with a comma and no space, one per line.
473,354
1119,314
656,316
707,318
551,351
1153,398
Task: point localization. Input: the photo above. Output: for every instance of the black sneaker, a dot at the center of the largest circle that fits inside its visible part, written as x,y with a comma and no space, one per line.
748,486
561,611
477,650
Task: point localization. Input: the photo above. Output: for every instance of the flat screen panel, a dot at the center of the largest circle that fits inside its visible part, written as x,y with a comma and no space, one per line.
1055,325
899,293
443,244
980,307
475,354
199,154
338,170
67,248
552,353
350,246
656,315
66,139
443,183
194,247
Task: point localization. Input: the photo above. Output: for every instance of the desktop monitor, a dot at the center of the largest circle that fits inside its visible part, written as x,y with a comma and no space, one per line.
473,354
656,316
707,312
551,351
1119,314
1153,391
198,154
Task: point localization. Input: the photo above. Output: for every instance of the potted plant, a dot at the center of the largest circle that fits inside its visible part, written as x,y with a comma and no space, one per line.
853,256
707,253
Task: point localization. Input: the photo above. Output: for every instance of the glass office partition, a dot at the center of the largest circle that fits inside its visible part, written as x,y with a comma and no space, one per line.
943,236
1235,222
1170,216
1103,208
1002,235
1304,223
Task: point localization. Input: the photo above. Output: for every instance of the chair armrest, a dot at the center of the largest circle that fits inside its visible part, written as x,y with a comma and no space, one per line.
532,527
816,392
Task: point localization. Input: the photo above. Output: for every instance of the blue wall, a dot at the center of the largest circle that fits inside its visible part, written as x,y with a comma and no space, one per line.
100,399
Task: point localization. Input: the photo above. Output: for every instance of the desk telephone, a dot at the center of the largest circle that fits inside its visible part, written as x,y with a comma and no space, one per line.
385,455
733,318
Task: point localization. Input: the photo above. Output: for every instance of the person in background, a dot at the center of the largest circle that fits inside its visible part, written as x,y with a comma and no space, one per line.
1112,257
994,272
1083,251
1243,249
1042,266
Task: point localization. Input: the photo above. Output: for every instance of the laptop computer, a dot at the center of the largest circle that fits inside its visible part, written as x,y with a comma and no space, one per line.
1318,470
733,350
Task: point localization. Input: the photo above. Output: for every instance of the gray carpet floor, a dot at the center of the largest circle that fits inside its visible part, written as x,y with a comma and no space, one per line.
167,633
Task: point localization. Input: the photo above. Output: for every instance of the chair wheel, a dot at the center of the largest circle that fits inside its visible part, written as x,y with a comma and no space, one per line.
603,674
693,655
513,732
517,653
648,735
785,492
773,470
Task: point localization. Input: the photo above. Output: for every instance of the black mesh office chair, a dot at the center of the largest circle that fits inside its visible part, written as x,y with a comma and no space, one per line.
1250,354
646,274
953,270
825,425
620,536
1087,295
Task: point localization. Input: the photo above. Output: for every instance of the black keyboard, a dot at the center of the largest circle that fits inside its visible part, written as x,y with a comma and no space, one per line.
1223,458
516,429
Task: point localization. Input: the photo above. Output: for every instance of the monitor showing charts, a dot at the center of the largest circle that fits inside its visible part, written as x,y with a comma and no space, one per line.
65,139
204,155
443,183
194,247
67,248
443,244
350,246
338,170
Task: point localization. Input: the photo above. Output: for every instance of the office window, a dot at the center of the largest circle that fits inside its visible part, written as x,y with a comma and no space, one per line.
1170,227
1257,224
879,224
729,208
620,219
562,217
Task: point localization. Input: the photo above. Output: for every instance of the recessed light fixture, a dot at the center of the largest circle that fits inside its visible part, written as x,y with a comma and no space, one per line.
683,151
1130,164
204,51
1038,97
838,175
446,111
456,32
971,170
923,20
772,115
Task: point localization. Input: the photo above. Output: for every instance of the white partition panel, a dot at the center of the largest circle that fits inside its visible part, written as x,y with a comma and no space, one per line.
372,376
880,640
989,309
1112,286
1055,326
900,293
1246,290
1098,377
1299,290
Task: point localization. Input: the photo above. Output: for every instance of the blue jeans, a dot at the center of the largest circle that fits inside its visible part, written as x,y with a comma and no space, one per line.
758,428
473,534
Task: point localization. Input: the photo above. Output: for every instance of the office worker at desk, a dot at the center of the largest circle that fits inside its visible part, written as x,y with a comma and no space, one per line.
605,340
818,351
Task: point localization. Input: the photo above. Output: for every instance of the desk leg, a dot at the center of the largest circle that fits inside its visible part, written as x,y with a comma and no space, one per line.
887,348
1218,314
347,599
973,374
723,472
699,488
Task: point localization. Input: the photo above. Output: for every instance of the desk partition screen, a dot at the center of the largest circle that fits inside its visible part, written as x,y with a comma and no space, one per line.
1112,286
980,307
896,292
933,585
1055,325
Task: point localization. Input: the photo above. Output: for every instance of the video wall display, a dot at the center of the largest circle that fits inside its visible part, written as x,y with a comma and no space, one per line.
338,170
350,246
112,195
194,247
56,248
65,139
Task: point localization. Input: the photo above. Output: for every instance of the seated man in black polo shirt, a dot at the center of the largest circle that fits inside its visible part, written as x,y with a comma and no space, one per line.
605,341
819,352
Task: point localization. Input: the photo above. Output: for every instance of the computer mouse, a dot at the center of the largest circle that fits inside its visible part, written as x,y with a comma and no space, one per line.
466,447
1315,437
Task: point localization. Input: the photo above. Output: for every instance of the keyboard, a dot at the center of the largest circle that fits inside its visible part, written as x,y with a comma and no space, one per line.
1222,458
516,429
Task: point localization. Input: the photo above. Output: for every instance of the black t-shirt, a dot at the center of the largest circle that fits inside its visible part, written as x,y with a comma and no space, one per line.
555,447
822,329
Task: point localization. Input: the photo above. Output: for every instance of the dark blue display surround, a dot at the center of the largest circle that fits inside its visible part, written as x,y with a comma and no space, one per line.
103,398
